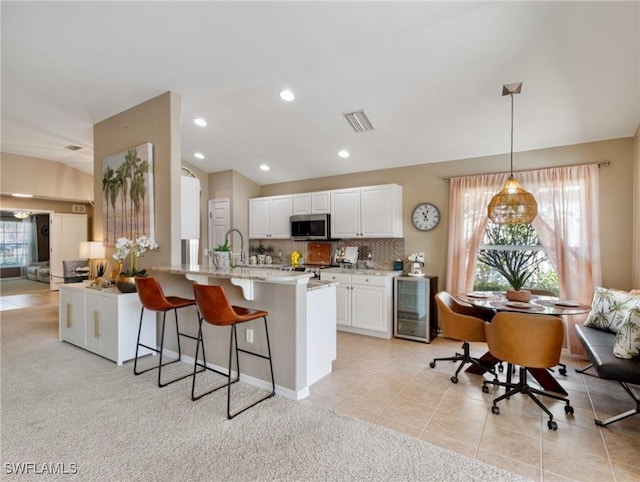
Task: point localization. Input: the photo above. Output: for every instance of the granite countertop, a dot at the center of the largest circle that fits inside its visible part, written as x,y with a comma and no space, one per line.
367,271
274,275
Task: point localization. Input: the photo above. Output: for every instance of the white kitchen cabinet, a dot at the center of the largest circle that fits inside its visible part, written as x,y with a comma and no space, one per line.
71,317
367,212
104,322
312,203
345,213
363,303
269,217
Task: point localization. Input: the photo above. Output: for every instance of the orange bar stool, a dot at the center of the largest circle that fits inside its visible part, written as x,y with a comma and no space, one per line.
214,308
153,299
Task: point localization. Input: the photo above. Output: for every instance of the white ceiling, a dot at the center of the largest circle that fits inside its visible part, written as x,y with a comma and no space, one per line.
428,74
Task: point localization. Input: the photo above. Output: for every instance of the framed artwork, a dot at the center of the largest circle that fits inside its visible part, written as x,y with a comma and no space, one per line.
127,190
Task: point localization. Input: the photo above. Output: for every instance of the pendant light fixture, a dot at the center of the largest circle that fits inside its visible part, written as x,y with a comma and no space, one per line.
21,214
512,205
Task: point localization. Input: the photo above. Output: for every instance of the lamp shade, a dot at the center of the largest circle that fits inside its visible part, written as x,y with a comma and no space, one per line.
91,250
512,205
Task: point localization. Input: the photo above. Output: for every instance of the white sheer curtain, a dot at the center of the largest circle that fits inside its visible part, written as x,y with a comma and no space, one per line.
567,225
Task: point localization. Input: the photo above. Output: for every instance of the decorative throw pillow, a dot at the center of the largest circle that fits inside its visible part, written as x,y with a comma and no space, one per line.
610,308
627,342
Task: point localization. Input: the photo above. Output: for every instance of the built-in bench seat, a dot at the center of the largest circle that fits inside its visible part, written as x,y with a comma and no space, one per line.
598,345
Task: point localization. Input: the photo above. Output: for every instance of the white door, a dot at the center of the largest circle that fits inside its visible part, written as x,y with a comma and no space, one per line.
219,224
66,232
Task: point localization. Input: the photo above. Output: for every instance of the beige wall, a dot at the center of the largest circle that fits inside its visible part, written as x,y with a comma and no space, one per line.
44,179
427,182
156,121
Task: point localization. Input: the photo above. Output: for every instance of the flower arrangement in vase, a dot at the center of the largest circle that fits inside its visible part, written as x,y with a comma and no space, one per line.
128,248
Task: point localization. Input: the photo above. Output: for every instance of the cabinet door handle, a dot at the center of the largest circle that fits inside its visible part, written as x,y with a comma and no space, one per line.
96,324
68,315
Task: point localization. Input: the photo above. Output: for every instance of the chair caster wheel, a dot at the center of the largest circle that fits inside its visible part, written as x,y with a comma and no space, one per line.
552,425
485,389
454,379
495,410
568,409
432,364
563,371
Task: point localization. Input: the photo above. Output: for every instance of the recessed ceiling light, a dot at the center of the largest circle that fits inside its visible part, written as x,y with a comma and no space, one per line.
287,95
17,194
344,153
200,121
199,155
264,167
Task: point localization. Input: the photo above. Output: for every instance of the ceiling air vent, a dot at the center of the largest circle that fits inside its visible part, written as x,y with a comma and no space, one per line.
359,121
71,147
78,208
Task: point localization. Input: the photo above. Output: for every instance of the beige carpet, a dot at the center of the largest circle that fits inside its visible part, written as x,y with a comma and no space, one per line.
20,286
66,409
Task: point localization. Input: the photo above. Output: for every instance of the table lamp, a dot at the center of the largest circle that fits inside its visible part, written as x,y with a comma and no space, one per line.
93,251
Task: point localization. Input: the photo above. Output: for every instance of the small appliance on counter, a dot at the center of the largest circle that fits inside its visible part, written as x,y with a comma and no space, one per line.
416,262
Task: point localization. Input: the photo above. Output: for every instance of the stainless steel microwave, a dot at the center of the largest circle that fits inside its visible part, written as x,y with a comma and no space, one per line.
310,227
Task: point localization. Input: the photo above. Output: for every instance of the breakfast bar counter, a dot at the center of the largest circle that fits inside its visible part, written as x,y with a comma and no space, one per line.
302,323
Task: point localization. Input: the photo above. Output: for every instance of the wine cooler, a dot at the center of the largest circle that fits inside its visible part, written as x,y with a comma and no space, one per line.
415,313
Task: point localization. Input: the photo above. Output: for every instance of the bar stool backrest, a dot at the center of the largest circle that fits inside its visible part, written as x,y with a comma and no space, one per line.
214,306
151,295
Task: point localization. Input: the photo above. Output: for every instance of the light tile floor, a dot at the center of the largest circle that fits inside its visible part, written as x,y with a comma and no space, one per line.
390,383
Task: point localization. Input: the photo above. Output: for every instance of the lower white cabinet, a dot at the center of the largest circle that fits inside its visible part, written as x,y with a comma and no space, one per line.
104,322
364,303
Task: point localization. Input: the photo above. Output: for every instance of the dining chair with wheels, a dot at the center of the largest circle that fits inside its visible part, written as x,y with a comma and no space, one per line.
215,308
528,341
153,298
463,323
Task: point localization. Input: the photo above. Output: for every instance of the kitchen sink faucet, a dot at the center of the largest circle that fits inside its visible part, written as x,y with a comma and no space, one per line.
226,240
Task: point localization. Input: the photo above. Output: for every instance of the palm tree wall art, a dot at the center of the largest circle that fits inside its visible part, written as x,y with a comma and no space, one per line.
127,189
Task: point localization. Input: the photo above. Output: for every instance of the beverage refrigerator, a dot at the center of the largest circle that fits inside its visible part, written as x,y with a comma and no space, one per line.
415,313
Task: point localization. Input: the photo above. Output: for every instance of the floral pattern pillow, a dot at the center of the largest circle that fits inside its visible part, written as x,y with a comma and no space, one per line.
610,308
627,342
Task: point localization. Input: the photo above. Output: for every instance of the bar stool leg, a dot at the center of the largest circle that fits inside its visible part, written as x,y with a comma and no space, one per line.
175,312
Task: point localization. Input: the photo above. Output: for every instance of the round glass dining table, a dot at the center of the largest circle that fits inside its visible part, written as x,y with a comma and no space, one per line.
539,304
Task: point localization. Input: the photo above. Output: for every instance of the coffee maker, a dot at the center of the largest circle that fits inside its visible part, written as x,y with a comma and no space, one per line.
416,262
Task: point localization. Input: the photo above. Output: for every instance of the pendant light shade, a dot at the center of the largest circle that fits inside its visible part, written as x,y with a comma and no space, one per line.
512,205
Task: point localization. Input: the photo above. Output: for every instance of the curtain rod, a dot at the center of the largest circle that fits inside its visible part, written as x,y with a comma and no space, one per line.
599,164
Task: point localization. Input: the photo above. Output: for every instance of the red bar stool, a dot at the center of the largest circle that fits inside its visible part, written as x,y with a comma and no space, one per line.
153,299
214,308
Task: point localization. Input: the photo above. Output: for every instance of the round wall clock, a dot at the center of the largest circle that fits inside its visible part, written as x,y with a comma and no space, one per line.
425,217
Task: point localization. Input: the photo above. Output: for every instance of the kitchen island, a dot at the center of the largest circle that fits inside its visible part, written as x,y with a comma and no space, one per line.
302,323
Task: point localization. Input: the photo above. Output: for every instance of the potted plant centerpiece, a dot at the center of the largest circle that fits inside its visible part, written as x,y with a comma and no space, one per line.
222,256
127,248
516,265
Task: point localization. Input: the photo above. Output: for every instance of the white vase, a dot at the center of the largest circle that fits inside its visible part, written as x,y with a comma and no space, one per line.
221,259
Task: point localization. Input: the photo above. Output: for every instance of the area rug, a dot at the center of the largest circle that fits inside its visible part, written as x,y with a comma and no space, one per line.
66,411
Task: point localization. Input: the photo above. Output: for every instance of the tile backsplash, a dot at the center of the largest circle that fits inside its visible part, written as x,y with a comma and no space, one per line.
384,251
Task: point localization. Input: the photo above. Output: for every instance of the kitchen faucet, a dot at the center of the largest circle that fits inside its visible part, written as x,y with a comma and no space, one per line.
226,240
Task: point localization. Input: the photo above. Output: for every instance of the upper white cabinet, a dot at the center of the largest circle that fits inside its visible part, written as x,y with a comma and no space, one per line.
269,217
312,203
367,212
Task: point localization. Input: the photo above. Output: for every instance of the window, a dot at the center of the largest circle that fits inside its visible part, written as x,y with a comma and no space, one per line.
513,256
15,242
